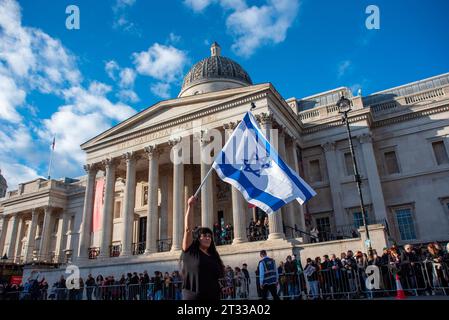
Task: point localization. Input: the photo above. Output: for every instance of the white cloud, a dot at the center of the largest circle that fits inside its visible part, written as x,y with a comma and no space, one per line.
161,62
111,67
10,97
87,113
127,78
198,5
16,173
121,20
31,60
254,26
343,67
173,38
128,95
161,90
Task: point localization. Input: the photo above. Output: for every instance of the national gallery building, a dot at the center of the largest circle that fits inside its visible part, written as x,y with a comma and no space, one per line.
127,213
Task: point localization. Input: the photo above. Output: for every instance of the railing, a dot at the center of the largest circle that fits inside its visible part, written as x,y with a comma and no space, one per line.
424,96
381,107
223,237
329,280
94,252
164,245
115,250
139,248
257,233
291,232
347,231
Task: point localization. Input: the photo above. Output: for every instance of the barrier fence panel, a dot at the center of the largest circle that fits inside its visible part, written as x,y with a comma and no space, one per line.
417,278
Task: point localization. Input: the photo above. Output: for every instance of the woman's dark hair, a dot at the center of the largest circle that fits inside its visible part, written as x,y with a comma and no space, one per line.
194,248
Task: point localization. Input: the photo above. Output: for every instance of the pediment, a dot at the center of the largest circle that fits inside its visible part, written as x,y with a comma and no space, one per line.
169,110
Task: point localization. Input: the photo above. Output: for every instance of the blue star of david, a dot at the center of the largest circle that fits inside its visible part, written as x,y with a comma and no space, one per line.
262,163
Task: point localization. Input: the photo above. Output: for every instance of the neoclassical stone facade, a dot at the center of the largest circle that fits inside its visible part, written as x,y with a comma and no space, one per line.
401,145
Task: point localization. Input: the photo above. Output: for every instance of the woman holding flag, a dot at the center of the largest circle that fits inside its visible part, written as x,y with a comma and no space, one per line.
201,264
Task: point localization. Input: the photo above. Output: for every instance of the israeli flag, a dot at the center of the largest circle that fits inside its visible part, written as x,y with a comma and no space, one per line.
252,165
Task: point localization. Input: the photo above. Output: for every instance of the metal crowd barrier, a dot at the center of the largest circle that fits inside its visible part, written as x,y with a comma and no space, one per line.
419,278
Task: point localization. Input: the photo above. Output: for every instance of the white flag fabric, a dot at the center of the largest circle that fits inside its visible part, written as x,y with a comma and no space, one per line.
252,165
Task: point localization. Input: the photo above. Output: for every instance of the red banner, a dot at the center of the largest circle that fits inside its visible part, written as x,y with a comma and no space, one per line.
98,205
17,280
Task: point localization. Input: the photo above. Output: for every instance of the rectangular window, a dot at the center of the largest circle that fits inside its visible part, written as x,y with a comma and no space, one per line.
145,195
324,228
72,224
55,226
405,224
315,171
349,164
439,149
358,218
117,209
391,162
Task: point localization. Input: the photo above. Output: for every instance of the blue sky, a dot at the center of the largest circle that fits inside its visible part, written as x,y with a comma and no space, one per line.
129,54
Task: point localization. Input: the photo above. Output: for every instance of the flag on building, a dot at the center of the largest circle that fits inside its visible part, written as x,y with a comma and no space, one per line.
252,165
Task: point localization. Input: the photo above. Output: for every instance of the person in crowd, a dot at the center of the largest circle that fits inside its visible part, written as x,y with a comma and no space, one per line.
291,276
90,286
177,284
314,235
268,276
282,291
202,266
247,280
311,273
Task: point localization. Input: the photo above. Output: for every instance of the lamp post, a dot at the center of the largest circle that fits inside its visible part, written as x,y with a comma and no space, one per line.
344,106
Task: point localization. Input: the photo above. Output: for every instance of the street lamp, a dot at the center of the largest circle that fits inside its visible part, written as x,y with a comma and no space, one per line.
344,106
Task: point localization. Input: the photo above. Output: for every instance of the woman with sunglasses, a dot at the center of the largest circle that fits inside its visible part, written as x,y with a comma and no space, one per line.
201,264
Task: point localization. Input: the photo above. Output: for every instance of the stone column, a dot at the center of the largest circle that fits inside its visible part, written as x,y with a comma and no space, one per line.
274,219
164,208
287,210
153,185
207,202
188,188
334,173
238,202
5,222
19,239
375,186
106,234
129,203
302,220
31,235
178,196
46,235
13,237
86,225
63,236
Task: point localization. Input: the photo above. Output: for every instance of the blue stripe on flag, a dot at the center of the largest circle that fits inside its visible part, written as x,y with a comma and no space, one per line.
230,172
277,159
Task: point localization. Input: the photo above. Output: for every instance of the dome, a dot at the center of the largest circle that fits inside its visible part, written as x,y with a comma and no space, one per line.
214,73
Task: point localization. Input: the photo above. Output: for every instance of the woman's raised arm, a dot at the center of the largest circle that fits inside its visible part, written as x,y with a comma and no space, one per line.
188,224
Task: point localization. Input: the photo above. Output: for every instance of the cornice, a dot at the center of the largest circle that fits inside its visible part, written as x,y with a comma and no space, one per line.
182,119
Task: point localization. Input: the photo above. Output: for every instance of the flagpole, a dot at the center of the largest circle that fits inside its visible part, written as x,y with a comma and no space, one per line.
253,106
51,159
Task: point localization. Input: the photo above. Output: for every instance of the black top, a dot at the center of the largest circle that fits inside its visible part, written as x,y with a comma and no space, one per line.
201,274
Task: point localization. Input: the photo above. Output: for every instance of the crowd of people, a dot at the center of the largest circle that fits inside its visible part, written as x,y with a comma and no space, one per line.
422,270
258,230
